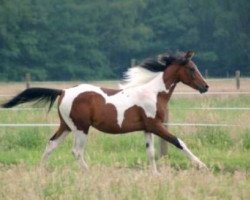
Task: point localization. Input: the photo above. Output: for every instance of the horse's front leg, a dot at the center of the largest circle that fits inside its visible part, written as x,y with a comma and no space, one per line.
161,131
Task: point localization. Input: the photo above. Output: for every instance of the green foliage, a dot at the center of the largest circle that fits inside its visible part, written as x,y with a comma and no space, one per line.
21,139
214,137
71,40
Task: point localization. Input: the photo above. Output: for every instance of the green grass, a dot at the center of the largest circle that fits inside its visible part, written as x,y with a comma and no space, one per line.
220,148
214,146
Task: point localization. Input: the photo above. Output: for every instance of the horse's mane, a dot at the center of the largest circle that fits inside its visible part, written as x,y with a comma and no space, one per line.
148,70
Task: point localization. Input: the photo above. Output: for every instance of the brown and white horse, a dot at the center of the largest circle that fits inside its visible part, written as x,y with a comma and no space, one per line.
139,105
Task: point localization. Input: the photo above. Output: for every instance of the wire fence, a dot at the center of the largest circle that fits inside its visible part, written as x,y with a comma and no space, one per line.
178,93
170,108
27,125
212,93
9,125
24,125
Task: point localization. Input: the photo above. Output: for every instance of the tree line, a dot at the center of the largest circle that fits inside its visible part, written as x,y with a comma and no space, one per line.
96,39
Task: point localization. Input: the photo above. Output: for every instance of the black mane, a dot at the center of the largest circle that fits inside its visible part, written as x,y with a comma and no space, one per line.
161,62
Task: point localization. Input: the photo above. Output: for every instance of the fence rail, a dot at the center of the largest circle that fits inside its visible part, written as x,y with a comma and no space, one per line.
171,108
212,93
180,93
202,125
167,124
27,125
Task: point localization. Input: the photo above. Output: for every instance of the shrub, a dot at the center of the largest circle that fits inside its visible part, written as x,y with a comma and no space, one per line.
25,138
215,137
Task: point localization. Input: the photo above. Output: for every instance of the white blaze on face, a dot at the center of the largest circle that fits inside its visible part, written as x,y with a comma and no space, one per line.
144,96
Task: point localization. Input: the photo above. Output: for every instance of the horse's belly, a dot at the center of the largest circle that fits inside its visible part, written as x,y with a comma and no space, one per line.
107,120
109,128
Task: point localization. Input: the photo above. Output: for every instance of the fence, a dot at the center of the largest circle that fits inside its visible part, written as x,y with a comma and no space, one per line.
167,123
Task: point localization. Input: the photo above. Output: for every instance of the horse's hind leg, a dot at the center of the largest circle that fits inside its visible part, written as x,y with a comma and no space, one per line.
78,148
151,151
57,138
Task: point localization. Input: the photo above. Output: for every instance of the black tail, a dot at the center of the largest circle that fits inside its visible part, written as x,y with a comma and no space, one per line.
34,94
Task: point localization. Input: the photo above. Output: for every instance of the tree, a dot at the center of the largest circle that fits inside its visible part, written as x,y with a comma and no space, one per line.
73,39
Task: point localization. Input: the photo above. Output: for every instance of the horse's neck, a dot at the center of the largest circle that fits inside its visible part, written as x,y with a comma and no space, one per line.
156,85
153,88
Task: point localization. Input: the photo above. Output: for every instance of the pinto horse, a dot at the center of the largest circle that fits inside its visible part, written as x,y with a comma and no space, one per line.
139,105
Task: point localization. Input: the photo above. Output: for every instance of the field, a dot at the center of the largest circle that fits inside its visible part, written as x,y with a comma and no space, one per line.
118,164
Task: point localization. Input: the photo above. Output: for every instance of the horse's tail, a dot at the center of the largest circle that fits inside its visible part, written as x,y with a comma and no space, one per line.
40,95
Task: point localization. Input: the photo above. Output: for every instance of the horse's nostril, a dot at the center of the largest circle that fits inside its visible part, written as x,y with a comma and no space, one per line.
204,88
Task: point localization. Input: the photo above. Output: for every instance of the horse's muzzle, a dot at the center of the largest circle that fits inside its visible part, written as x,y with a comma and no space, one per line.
203,89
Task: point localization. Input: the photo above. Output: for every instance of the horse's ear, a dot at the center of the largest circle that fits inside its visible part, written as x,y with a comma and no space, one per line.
189,55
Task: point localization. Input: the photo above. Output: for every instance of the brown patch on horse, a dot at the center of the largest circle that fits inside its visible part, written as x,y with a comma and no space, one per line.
90,109
161,106
134,118
81,111
109,91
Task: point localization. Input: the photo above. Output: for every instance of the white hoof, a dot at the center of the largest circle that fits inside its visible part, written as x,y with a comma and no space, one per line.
201,166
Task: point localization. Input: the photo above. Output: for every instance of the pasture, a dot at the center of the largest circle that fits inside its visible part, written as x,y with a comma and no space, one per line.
118,164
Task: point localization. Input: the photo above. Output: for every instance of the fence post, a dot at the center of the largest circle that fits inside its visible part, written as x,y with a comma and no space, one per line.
163,143
27,80
237,77
206,73
133,62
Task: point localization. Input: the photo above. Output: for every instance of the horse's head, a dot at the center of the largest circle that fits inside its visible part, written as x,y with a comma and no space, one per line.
190,75
185,71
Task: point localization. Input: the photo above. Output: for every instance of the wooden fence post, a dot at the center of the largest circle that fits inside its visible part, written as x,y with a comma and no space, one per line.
27,80
163,143
206,73
133,62
237,77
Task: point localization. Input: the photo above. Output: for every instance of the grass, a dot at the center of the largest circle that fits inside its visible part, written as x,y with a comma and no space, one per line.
110,183
118,164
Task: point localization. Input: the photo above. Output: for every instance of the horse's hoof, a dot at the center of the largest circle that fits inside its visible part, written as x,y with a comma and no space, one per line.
202,166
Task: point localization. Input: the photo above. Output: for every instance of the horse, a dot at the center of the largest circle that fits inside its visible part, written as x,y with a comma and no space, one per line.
138,105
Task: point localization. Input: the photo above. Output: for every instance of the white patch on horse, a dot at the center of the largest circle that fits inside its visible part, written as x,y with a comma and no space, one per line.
144,96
